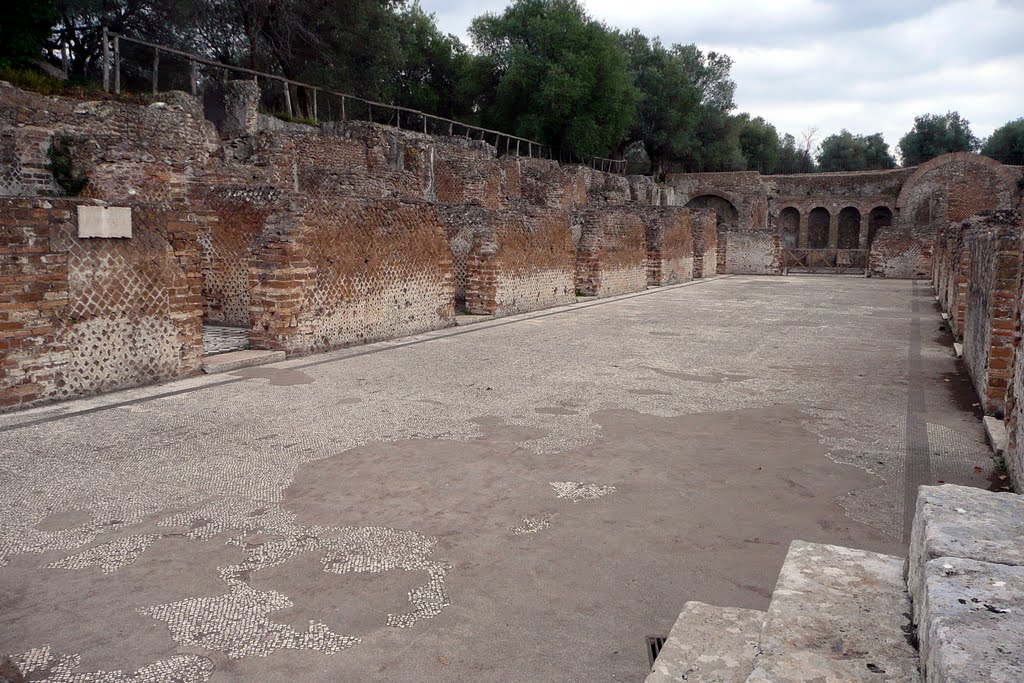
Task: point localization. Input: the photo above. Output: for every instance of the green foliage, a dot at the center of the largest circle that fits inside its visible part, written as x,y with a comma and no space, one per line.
1007,143
934,135
26,24
561,77
759,142
793,159
32,79
61,165
845,151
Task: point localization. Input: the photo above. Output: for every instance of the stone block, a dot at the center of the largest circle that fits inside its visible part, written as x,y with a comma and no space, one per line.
995,432
964,522
709,644
837,614
973,621
226,362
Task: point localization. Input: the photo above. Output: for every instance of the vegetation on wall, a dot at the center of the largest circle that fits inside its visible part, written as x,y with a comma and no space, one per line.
61,164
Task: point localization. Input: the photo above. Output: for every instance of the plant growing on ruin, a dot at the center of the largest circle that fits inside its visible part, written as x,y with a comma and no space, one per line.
61,165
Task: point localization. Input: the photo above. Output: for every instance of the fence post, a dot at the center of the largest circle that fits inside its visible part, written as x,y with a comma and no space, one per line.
398,118
106,60
117,65
343,109
156,68
451,129
424,124
315,117
194,76
287,97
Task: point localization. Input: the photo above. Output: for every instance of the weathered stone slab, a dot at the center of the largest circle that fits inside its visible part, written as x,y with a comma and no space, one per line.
995,432
965,522
973,621
709,644
837,614
958,349
226,362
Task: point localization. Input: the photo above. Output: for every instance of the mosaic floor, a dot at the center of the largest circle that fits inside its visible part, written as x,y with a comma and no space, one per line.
521,499
222,339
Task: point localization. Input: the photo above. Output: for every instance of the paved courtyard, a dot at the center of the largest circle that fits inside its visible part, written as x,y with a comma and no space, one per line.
523,499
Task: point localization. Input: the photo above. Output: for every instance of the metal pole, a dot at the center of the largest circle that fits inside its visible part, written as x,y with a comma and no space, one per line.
117,65
195,76
106,60
156,68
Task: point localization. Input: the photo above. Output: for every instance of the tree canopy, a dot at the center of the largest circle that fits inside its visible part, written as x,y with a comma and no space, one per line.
844,151
1007,143
934,135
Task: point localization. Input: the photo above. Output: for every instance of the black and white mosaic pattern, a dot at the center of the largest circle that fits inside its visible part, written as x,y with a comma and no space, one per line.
223,338
42,664
578,490
531,525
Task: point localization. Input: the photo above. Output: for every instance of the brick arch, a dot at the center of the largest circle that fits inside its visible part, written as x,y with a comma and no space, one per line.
788,225
726,211
1004,173
849,227
818,226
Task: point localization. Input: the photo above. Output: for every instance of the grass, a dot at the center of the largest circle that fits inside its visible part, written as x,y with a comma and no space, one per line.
291,119
32,79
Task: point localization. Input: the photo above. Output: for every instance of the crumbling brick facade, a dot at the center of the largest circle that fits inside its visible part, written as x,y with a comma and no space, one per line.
705,244
669,237
992,292
611,255
81,316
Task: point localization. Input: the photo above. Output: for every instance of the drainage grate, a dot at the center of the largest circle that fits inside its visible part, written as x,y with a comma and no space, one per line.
654,645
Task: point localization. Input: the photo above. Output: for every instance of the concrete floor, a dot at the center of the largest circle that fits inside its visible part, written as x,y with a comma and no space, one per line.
523,499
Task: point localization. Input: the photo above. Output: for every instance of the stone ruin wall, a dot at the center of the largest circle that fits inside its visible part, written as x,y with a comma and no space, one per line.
668,234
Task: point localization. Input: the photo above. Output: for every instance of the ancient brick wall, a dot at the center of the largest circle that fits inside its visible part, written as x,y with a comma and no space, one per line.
669,237
81,316
705,244
744,194
752,252
992,291
332,273
611,256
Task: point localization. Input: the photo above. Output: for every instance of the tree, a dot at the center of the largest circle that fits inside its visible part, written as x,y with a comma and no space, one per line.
794,158
845,151
934,135
561,77
25,26
1007,143
667,99
759,143
435,73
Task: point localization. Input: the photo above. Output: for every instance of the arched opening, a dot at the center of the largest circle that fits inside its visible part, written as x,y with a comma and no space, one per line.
725,212
849,228
880,217
789,227
817,228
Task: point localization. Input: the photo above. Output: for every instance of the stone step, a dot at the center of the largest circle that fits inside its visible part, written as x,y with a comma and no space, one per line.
709,644
972,621
966,555
995,432
233,360
837,614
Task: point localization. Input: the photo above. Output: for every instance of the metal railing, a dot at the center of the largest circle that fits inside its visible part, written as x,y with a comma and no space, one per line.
831,260
513,144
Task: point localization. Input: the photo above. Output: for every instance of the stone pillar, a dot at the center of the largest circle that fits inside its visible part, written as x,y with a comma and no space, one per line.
833,230
233,107
804,238
863,241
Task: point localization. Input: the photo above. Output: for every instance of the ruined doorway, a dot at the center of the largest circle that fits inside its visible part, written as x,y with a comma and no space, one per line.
849,228
726,214
789,227
879,218
818,227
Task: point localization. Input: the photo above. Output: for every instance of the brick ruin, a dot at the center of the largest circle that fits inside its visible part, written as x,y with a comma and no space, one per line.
315,238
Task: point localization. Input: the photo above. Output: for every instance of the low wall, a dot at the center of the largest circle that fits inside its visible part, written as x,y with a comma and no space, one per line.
332,273
611,256
750,252
705,244
669,237
993,284
85,315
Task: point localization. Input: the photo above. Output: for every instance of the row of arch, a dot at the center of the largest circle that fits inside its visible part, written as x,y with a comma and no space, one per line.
819,227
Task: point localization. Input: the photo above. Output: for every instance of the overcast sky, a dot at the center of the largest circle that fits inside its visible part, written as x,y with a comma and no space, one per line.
866,65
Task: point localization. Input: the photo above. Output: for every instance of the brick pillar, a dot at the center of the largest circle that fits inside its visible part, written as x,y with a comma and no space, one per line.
804,238
863,241
833,230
